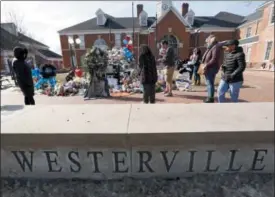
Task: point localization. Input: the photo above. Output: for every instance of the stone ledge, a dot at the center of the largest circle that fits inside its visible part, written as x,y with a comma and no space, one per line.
139,125
138,141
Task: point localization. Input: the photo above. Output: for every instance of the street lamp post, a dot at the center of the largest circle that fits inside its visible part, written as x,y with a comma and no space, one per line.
197,31
72,43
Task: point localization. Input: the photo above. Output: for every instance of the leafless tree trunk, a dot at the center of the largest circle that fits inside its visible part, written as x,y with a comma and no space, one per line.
21,30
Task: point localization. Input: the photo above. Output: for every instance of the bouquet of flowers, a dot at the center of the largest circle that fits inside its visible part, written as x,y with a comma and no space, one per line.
96,62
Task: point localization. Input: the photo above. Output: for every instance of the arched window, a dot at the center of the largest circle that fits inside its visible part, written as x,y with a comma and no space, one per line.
172,42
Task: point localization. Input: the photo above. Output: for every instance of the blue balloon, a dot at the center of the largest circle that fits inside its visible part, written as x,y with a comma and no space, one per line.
125,42
125,50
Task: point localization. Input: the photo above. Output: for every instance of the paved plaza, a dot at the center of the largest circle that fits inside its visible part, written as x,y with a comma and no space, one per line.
258,87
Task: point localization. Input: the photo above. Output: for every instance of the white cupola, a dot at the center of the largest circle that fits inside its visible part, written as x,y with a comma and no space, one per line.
101,19
190,16
163,6
143,19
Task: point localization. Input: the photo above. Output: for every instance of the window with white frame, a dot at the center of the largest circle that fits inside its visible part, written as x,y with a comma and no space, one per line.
268,50
272,16
248,32
82,41
248,53
257,27
100,19
118,40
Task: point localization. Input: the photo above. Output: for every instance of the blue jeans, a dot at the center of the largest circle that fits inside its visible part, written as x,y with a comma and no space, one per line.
234,90
210,76
197,77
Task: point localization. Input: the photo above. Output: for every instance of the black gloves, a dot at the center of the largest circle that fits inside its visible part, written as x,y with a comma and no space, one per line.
228,77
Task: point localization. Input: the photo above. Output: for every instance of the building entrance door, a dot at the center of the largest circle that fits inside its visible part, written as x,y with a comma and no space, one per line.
172,42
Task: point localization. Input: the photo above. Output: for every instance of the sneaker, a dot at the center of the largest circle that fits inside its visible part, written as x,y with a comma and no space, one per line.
209,100
168,95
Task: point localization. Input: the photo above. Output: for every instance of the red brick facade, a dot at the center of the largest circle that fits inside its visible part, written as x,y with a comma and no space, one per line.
187,40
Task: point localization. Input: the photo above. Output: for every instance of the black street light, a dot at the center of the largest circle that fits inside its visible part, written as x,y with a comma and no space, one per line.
72,43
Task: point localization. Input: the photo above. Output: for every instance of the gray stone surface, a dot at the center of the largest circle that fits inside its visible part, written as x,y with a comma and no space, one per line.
135,118
68,119
247,129
179,118
222,185
138,162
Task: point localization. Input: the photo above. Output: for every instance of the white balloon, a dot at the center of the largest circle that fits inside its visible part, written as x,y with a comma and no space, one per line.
130,42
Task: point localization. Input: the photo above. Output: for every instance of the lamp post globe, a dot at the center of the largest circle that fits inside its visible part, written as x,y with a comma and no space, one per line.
77,41
71,40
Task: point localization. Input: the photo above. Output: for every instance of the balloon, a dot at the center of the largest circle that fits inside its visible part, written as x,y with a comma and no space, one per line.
128,54
125,42
130,42
78,72
130,47
127,38
125,50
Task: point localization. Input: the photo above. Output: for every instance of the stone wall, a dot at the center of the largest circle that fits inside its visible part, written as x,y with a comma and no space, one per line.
141,141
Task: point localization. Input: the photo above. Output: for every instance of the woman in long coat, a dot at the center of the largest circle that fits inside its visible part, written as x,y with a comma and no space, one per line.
148,74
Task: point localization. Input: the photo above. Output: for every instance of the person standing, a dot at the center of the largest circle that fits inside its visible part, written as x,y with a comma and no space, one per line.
148,74
169,62
23,74
232,71
195,60
210,61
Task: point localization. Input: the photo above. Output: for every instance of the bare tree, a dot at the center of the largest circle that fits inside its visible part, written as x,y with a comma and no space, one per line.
21,31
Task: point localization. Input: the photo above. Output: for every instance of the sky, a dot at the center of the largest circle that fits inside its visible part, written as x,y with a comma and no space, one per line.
43,19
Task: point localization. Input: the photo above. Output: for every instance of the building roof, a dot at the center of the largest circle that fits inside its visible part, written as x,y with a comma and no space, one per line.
24,38
229,17
21,37
178,15
266,3
111,23
220,20
48,53
8,40
258,14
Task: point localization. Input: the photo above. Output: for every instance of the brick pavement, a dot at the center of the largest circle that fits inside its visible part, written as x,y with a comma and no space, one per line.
258,87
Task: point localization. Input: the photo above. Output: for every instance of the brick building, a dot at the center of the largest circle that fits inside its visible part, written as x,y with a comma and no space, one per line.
184,30
39,53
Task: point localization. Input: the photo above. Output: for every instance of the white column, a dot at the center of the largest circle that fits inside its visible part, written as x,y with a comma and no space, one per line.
5,61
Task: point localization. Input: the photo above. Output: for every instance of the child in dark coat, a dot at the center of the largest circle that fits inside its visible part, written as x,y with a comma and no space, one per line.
23,74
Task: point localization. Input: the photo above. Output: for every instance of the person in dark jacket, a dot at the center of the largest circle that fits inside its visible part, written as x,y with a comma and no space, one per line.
232,71
23,74
211,66
169,61
148,74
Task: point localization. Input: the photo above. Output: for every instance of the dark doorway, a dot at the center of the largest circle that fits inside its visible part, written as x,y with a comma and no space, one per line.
173,42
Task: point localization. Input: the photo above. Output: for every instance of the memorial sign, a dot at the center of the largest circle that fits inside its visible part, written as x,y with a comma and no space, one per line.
145,162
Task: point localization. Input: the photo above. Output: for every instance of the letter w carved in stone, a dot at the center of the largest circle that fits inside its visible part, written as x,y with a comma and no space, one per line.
24,161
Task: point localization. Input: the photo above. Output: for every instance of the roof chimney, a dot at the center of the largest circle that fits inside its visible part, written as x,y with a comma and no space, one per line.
139,9
184,9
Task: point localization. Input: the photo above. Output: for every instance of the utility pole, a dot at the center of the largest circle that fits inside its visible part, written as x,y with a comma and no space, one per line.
156,34
133,16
